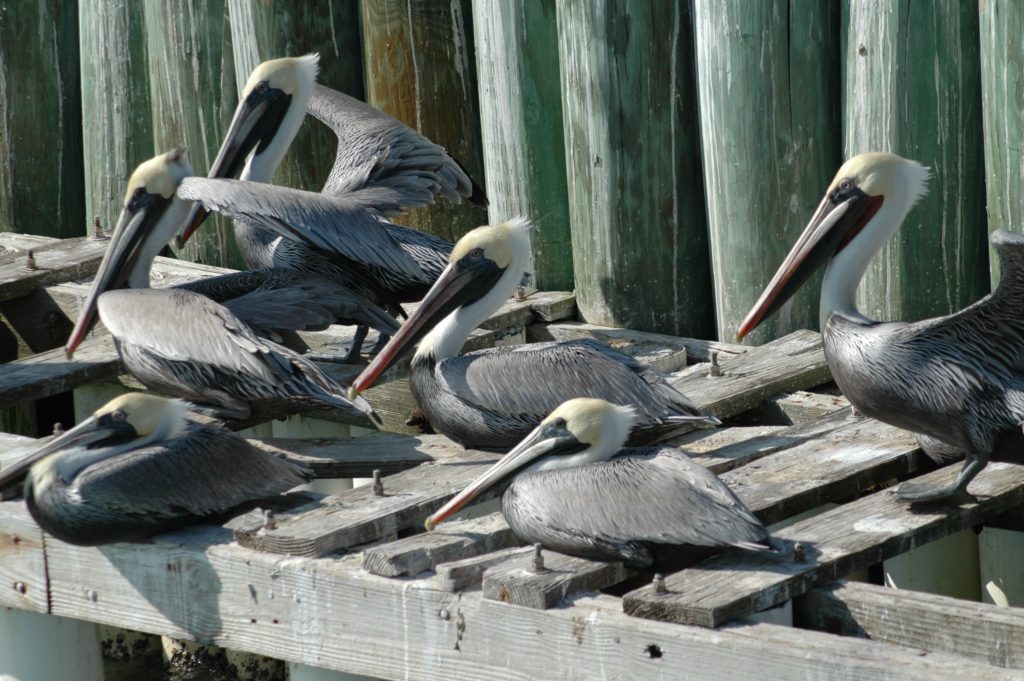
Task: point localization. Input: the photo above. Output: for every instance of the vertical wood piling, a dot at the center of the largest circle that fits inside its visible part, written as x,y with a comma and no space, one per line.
521,127
639,233
912,87
768,75
420,68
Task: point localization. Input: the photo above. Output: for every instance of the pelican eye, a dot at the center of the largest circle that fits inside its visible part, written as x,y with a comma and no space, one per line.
843,190
558,424
261,87
475,254
118,416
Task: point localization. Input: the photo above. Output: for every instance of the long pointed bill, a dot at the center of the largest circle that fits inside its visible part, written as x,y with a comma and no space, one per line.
85,433
255,122
539,443
119,262
456,286
832,227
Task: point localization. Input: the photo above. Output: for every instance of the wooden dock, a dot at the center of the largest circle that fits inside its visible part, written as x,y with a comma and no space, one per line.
350,581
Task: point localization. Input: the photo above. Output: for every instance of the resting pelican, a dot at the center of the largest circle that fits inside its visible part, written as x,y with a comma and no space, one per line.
140,466
182,343
955,380
494,397
575,490
382,167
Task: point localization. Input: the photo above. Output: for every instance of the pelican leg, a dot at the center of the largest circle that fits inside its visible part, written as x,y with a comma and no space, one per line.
349,357
920,493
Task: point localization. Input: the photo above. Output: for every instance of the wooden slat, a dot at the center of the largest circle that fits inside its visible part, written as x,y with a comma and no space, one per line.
50,373
452,541
836,543
803,407
979,631
467,572
515,581
696,349
55,262
23,580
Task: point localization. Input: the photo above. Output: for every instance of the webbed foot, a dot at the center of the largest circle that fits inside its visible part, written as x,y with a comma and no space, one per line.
923,493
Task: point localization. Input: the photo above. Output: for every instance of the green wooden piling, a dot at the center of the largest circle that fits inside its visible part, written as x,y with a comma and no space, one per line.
521,126
262,30
912,86
420,68
193,94
1002,94
769,101
117,124
41,187
629,103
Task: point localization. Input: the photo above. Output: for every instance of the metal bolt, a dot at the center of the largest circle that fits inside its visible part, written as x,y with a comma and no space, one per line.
659,584
378,484
538,559
799,553
714,369
58,429
269,522
520,294
30,262
91,595
20,587
862,49
444,614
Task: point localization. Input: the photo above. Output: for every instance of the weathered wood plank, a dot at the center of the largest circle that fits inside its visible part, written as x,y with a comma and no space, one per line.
836,543
54,262
518,582
49,373
23,579
724,448
467,572
452,541
979,631
803,407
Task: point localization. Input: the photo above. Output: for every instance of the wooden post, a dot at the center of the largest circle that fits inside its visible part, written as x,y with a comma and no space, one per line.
521,126
629,103
39,647
912,87
193,94
268,30
769,119
1002,110
41,187
418,56
117,123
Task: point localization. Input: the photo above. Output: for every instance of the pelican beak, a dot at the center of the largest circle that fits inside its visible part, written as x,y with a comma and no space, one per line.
122,257
256,120
462,282
839,218
91,430
547,439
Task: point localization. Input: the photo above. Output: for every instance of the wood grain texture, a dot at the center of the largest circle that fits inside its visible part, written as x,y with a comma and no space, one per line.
515,581
420,68
636,203
769,117
23,578
468,572
979,631
269,30
54,262
1001,25
836,543
41,187
117,120
912,86
521,128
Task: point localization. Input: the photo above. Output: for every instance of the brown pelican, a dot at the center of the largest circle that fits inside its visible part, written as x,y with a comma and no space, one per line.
956,380
140,466
494,397
183,343
382,167
575,490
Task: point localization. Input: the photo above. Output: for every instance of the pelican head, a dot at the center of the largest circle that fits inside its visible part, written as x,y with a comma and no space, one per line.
867,201
126,422
578,432
269,113
483,270
150,216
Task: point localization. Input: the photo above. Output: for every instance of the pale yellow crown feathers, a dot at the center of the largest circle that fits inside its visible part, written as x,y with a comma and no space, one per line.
144,412
878,173
287,74
498,242
160,175
587,418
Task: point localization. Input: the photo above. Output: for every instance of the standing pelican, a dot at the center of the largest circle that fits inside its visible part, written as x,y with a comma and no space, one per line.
382,167
140,466
574,489
494,397
183,343
956,380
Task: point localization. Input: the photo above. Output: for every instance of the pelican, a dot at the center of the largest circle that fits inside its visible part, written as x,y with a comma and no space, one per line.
494,397
575,490
382,167
140,466
182,343
956,381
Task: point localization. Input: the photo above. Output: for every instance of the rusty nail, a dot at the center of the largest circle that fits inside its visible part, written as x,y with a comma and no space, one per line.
269,522
659,584
799,553
520,294
714,369
378,484
444,614
30,262
538,559
58,429
862,49
20,587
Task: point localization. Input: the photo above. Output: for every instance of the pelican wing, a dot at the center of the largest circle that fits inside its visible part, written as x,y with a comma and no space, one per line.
205,471
652,494
535,378
376,150
338,226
